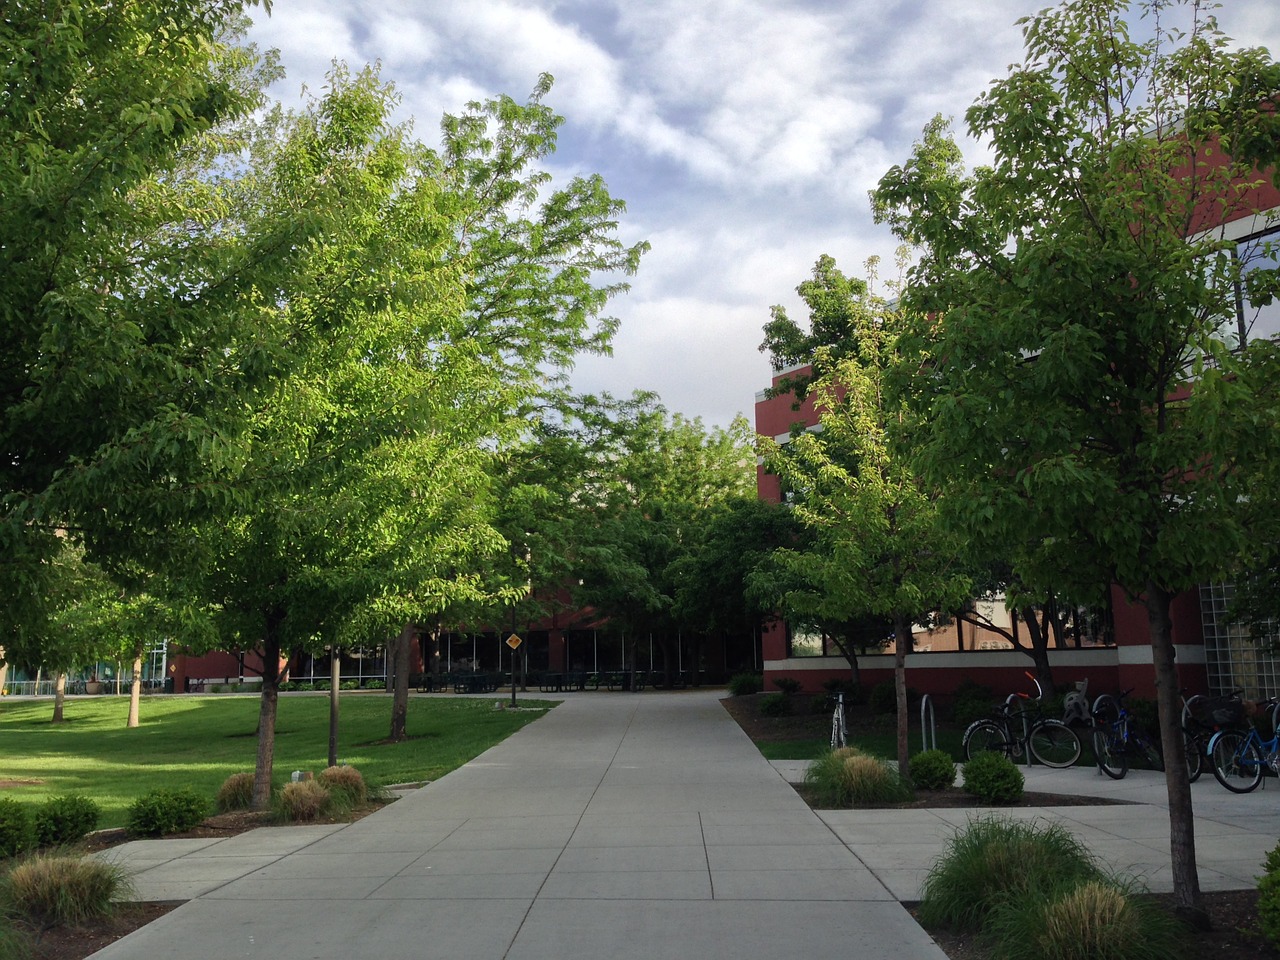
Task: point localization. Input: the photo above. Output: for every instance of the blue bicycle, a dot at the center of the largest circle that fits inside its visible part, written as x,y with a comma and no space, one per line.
1240,758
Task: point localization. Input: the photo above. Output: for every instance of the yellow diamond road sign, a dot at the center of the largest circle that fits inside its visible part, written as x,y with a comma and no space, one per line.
513,641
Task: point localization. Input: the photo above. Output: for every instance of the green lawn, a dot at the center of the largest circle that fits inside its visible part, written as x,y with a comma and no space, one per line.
198,741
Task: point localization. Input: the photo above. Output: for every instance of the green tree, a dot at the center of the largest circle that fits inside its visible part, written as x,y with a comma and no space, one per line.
1074,350
882,550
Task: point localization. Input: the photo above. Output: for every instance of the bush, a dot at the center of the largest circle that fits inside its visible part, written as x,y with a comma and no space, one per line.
166,811
994,860
971,701
57,890
1269,897
378,684
994,778
883,698
787,684
349,685
303,800
347,781
853,693
742,684
16,832
933,770
1083,920
236,793
65,820
849,777
775,705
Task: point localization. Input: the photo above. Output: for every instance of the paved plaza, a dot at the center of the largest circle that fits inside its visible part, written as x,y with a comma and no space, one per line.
626,826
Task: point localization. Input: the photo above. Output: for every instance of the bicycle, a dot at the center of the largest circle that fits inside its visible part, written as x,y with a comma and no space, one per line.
839,732
1204,716
1050,741
1116,738
1240,758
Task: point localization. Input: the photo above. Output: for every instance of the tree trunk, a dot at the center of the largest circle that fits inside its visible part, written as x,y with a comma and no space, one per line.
135,690
400,697
267,708
901,646
335,684
1182,840
59,693
1039,651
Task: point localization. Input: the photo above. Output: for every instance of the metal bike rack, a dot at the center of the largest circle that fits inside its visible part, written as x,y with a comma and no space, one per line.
928,726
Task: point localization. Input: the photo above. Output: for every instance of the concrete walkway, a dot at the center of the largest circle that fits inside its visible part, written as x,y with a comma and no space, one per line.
624,826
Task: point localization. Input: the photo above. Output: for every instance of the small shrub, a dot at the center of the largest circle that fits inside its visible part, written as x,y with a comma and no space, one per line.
994,778
346,780
1083,920
65,820
853,692
236,793
971,701
303,800
58,890
787,684
743,684
850,777
349,685
883,699
166,811
1269,897
16,832
933,770
872,781
288,685
775,705
377,684
994,860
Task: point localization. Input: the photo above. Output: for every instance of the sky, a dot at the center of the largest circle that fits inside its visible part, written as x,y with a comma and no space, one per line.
743,135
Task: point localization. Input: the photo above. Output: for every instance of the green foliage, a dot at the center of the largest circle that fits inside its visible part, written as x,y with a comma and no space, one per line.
14,943
1269,897
884,698
16,830
166,811
236,793
848,777
303,801
1084,919
742,684
51,889
349,685
66,819
375,685
345,780
994,860
933,770
993,778
854,694
971,701
776,705
787,684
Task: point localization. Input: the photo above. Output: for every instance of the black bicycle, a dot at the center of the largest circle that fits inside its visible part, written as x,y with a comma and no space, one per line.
1019,726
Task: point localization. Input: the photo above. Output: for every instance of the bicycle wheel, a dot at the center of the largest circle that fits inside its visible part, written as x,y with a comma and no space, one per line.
1194,746
984,736
1054,744
1236,762
1108,748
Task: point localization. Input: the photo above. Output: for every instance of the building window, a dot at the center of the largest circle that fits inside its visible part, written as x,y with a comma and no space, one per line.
1233,659
805,643
1257,318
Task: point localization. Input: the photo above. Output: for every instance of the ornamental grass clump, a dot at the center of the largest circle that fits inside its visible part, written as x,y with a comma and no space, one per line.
1085,920
1269,897
52,889
346,781
850,777
236,793
303,801
993,860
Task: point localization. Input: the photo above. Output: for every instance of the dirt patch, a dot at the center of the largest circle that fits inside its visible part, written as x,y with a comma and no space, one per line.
10,784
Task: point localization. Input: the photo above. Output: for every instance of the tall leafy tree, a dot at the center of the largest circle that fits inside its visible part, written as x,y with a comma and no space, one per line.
1077,356
882,549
